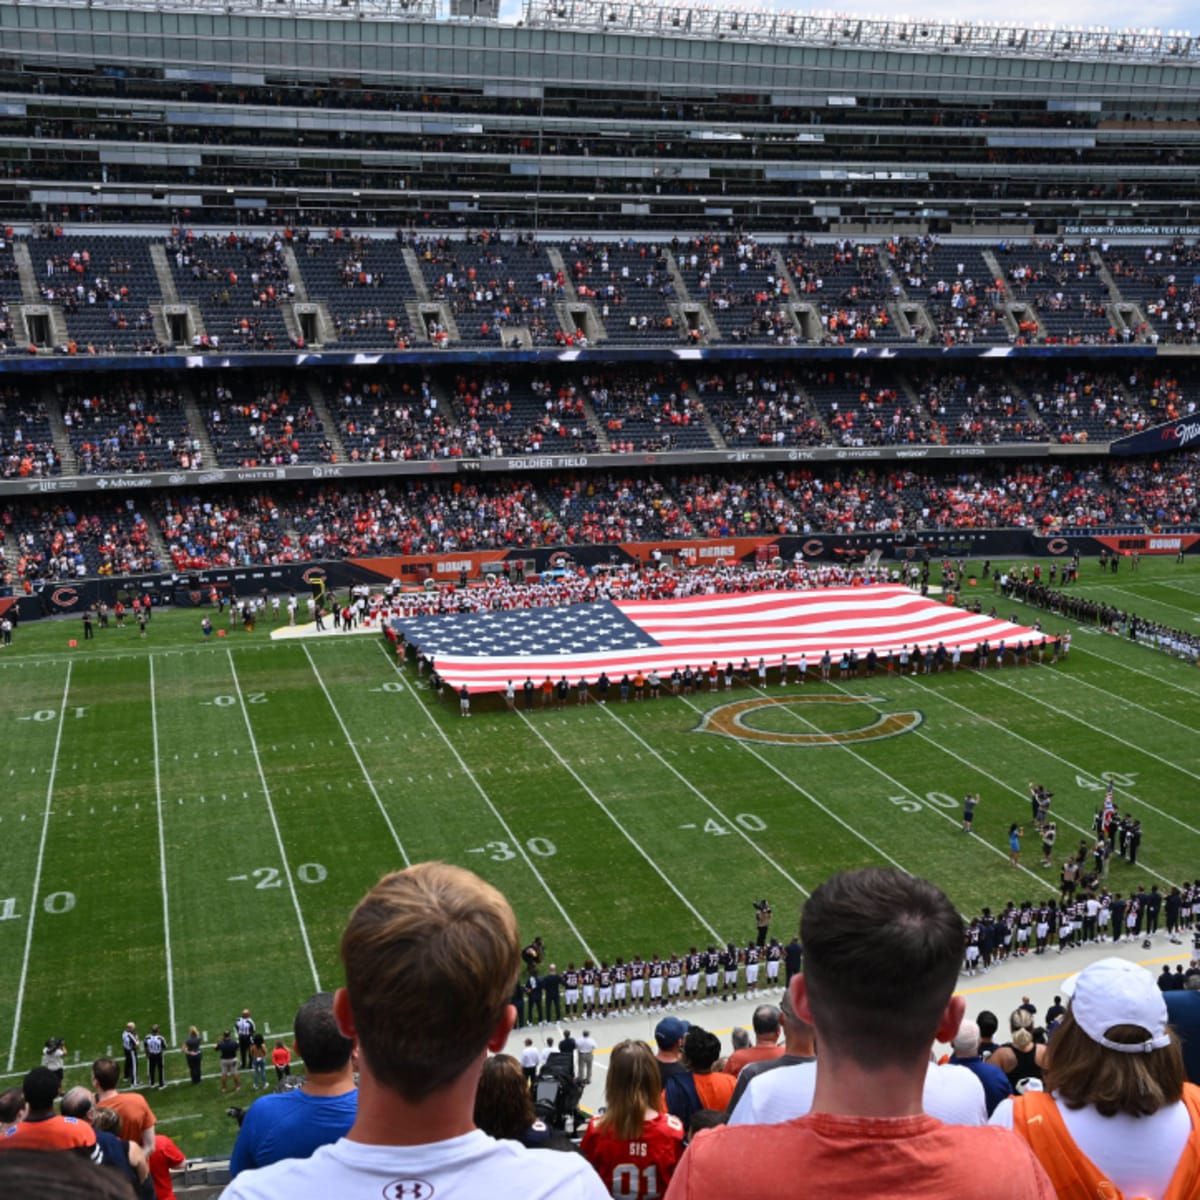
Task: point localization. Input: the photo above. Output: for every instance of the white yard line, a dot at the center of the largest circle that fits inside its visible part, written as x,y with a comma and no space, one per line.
37,874
809,797
1086,771
513,840
628,836
1162,604
162,856
1116,662
1125,701
358,758
705,800
917,796
1008,787
287,869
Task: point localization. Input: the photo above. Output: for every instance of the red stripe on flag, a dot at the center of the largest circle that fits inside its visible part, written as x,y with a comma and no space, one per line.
698,629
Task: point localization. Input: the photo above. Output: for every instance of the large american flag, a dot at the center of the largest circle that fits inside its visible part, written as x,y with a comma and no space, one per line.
486,649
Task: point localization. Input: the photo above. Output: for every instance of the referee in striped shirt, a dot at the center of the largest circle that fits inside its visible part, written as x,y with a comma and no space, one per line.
245,1029
155,1046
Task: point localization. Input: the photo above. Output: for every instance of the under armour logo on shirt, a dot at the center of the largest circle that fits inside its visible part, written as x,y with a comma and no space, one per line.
408,1189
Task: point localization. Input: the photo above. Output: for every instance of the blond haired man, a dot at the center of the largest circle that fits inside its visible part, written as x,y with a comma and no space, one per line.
431,957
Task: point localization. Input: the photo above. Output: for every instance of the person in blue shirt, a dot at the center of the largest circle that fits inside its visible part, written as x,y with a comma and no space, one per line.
996,1086
294,1123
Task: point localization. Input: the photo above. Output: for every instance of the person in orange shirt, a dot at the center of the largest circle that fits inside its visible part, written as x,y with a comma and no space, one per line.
42,1128
700,1087
137,1119
281,1060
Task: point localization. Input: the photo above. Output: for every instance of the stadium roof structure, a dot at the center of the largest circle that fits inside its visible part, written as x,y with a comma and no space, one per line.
396,10
835,30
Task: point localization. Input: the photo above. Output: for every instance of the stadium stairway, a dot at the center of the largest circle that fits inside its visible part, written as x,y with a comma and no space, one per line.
197,430
1015,311
806,318
316,397
58,429
416,275
29,285
1124,314
689,313
572,311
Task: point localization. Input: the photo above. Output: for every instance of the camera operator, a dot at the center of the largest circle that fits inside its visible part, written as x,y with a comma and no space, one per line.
762,919
53,1053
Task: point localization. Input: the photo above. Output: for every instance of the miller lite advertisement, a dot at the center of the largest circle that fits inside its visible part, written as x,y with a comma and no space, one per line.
1161,439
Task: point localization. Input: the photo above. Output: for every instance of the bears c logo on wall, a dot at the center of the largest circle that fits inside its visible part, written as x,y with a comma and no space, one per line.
728,720
65,597
1058,545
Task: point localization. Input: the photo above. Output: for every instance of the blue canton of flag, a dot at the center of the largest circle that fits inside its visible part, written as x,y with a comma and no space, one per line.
526,633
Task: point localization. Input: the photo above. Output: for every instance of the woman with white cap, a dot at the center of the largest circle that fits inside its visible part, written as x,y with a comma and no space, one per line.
1117,1118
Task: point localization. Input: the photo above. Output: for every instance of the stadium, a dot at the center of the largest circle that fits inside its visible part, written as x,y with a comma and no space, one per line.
617,303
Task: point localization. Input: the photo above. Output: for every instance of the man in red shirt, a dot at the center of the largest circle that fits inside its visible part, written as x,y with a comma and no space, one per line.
766,1041
42,1128
882,952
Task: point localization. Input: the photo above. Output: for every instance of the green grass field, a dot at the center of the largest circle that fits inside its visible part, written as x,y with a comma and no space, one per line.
185,826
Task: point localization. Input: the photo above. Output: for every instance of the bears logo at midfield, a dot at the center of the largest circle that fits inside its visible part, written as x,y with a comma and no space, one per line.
728,720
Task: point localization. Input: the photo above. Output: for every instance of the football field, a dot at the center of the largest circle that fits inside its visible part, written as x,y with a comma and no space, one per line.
184,825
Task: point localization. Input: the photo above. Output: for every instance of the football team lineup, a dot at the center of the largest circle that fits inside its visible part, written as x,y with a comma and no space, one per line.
212,812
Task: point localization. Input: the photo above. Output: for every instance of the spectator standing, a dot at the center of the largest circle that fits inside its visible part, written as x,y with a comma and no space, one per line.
1183,1010
137,1119
431,958
227,1053
42,1128
996,1086
668,1037
800,1046
633,1146
292,1124
166,1158
258,1062
766,1041
1117,1116
699,1087
281,1060
882,956
585,1048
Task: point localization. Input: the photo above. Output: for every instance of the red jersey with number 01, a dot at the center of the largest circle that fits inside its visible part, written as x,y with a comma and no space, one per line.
639,1168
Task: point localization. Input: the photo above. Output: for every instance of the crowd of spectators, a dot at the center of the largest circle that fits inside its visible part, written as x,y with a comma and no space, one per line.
128,427
272,427
62,542
27,448
426,516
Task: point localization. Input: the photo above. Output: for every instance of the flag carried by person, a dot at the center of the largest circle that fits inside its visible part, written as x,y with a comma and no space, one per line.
578,641
1109,808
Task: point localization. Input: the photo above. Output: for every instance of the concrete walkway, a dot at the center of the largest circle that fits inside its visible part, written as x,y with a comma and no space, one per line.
1000,990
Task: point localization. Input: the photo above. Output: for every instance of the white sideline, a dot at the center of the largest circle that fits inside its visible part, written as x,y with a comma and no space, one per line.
37,874
287,868
162,857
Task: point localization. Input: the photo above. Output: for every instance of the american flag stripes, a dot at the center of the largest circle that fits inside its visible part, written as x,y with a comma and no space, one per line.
486,649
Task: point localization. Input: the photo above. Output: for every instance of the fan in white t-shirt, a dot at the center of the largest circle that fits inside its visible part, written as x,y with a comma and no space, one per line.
431,956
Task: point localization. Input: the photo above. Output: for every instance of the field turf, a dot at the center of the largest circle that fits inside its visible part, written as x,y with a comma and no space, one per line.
184,825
